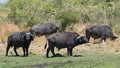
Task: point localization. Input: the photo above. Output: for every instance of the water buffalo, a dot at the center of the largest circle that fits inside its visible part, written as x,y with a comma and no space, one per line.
19,39
65,40
44,29
102,32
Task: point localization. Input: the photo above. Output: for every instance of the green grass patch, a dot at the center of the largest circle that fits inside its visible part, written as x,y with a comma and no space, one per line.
85,61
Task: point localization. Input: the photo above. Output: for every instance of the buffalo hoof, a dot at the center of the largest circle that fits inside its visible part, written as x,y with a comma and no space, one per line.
17,55
54,56
47,57
25,55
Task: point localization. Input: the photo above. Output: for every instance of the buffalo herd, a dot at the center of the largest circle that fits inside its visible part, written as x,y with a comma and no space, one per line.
56,39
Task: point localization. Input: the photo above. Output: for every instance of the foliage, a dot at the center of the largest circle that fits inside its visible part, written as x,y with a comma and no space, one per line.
67,18
3,13
67,11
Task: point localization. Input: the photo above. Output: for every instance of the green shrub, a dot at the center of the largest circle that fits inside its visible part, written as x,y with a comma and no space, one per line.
67,11
67,18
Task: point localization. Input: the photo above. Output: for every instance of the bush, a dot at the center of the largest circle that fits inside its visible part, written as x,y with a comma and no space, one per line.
67,11
67,18
26,11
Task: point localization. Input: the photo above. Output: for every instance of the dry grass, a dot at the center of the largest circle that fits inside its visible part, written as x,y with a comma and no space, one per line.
6,29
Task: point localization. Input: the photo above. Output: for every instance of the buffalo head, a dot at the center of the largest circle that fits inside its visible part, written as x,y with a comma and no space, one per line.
27,36
82,39
113,37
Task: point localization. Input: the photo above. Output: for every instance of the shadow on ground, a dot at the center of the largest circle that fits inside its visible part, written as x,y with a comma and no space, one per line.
78,56
57,55
60,55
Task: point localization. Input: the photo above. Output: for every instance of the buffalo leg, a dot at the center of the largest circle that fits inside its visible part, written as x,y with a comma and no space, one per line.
71,51
26,51
23,51
103,38
88,36
15,51
52,50
7,49
48,49
68,51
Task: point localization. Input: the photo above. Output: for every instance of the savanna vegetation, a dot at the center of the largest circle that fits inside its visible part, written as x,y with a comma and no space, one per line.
68,12
18,15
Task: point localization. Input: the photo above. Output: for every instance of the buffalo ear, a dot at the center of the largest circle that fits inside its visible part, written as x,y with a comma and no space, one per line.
32,37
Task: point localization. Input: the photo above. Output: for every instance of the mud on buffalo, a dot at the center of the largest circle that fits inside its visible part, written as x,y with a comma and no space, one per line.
19,39
64,40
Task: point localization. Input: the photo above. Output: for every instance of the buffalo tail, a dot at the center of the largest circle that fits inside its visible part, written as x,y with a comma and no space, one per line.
45,45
